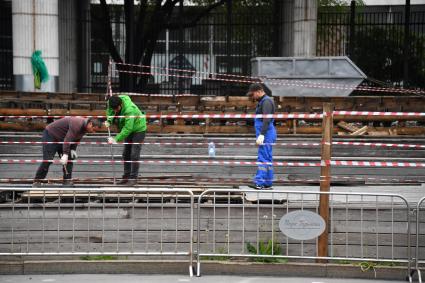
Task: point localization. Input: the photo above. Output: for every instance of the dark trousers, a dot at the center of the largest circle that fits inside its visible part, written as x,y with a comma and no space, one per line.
49,151
132,153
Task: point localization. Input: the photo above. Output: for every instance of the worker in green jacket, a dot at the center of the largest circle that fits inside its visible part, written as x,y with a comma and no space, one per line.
132,130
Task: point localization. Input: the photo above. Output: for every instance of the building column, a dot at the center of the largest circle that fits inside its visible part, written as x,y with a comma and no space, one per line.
299,29
84,46
35,27
68,46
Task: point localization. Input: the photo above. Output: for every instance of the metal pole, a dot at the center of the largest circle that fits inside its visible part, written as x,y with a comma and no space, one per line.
229,36
325,175
352,28
112,156
277,24
33,26
129,14
109,83
181,49
406,48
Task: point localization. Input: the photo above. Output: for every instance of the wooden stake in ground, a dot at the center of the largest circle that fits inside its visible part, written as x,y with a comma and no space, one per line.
325,177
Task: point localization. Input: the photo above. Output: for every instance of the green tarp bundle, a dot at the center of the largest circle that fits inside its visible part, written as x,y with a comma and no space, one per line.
39,69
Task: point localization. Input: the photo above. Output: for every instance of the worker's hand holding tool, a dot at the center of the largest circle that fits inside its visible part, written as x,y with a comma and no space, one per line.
111,140
107,124
73,154
260,140
64,159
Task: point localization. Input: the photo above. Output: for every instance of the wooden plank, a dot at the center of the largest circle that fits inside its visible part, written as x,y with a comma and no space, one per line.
303,104
361,131
325,173
348,127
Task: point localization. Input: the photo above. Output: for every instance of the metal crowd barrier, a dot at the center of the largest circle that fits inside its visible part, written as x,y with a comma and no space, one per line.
363,227
231,223
89,222
419,257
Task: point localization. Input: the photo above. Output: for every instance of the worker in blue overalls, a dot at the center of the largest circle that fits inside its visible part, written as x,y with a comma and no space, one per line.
265,133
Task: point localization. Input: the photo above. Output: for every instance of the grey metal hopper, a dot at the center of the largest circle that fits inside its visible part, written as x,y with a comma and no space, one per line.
315,76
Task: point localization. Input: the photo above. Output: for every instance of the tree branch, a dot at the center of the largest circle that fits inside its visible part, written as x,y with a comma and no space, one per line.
106,19
129,33
198,17
140,33
155,23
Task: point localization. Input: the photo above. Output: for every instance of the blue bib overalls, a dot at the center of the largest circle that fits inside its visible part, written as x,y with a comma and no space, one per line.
264,176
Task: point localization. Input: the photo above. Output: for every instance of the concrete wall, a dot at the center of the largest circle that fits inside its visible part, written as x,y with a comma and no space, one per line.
35,27
68,44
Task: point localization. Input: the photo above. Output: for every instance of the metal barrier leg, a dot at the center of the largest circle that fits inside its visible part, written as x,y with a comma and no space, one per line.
418,211
112,156
198,267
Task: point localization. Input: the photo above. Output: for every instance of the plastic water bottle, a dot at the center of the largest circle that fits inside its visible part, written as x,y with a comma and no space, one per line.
211,149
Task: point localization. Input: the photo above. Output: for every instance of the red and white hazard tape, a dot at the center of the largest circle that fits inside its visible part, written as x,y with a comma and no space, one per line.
373,164
251,79
184,116
163,180
202,144
166,162
228,180
280,83
191,144
159,94
181,76
150,94
371,144
226,162
237,116
373,113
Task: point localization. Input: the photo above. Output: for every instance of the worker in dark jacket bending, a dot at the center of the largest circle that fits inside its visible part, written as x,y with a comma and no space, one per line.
265,133
62,137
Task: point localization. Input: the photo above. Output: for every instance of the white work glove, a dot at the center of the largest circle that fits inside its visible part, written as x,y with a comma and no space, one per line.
64,159
260,140
111,140
107,124
73,154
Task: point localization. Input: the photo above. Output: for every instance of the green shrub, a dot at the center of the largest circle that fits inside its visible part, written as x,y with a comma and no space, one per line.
266,248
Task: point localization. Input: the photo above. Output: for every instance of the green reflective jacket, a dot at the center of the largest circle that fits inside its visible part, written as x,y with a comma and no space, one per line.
129,125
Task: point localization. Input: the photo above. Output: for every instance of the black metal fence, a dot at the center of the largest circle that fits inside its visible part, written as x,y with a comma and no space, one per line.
372,38
210,48
6,53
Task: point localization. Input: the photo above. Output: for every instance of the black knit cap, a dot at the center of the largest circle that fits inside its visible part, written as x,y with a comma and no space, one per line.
254,87
114,102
